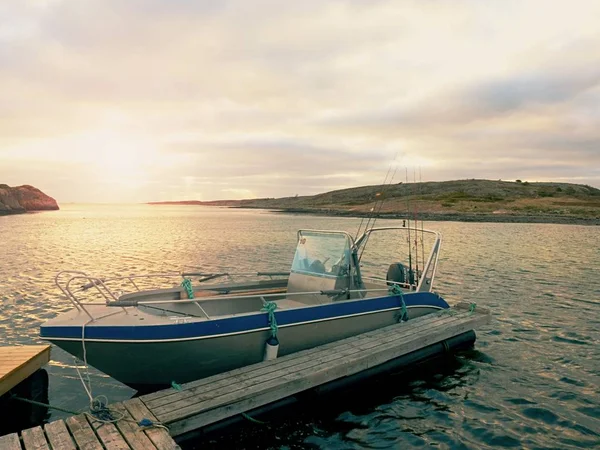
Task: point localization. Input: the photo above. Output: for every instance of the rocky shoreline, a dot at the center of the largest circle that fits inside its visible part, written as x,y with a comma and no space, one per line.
23,199
442,217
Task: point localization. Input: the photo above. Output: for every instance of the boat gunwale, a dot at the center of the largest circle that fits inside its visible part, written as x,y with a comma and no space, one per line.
216,336
285,317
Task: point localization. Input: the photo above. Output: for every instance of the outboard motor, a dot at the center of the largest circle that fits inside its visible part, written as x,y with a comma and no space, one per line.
396,273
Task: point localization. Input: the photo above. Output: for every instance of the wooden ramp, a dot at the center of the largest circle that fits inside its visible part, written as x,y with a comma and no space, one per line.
210,400
17,363
84,433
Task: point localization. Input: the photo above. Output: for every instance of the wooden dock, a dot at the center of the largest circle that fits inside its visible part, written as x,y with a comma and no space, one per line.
84,433
17,363
211,400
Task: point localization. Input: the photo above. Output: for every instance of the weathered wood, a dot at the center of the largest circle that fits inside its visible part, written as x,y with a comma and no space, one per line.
148,398
59,436
166,396
132,433
292,383
17,363
265,372
178,409
109,435
159,436
10,442
34,439
83,433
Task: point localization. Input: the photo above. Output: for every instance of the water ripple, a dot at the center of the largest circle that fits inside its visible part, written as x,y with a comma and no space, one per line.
531,381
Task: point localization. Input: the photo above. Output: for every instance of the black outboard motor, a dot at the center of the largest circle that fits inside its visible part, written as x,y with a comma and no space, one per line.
396,273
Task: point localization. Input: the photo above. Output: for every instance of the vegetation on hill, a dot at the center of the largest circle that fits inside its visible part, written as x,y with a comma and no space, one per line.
458,200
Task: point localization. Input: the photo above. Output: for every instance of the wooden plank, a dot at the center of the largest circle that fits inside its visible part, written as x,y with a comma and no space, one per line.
271,392
59,436
109,435
20,362
10,442
423,320
34,439
130,430
292,383
170,412
82,432
269,371
160,437
166,396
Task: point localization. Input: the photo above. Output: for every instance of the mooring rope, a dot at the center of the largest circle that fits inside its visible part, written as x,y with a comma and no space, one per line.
270,307
98,406
395,290
187,285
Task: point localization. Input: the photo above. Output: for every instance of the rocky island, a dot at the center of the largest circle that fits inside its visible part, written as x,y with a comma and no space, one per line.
458,200
22,199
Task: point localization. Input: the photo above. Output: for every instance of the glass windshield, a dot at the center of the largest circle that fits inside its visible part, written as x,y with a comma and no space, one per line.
322,253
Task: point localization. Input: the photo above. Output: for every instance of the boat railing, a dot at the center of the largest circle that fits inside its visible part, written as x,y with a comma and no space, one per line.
75,286
329,293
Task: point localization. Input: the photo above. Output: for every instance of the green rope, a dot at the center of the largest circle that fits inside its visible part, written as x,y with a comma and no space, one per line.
176,386
395,290
270,307
472,308
187,285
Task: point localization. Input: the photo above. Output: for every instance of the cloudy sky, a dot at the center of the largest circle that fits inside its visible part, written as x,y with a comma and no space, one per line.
140,100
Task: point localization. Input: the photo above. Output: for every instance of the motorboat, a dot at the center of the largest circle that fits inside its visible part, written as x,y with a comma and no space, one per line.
155,329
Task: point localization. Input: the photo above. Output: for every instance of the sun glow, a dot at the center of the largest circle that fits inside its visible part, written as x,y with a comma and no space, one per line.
120,158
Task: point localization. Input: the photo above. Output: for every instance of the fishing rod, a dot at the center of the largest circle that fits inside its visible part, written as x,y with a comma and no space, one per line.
381,201
369,217
422,231
410,271
377,194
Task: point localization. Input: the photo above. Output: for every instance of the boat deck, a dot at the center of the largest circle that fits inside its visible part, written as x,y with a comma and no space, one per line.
211,400
17,363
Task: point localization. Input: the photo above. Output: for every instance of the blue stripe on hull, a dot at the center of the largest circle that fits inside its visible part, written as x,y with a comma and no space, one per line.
243,323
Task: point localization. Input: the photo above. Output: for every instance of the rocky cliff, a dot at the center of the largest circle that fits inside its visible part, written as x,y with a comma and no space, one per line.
20,199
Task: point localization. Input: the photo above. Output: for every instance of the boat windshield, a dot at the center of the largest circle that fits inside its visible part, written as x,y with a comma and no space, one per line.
322,253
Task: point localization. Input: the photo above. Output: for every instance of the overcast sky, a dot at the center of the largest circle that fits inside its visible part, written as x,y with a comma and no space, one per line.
141,100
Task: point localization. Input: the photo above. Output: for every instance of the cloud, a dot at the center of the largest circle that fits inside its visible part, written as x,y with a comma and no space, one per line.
279,98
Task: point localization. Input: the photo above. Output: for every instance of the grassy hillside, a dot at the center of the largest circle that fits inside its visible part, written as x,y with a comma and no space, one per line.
461,199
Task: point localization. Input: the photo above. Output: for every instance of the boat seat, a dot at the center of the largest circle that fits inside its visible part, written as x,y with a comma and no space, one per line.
288,303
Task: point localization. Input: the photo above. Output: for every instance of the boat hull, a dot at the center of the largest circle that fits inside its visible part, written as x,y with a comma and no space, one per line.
144,365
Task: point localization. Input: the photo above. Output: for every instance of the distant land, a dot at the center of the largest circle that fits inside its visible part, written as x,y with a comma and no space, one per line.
460,200
22,199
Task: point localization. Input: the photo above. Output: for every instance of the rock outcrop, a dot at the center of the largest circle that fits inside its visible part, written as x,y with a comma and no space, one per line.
21,199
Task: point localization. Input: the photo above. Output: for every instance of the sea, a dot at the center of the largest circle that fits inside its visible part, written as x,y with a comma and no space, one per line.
531,381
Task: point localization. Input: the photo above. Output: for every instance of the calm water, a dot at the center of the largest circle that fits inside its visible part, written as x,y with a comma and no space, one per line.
532,381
